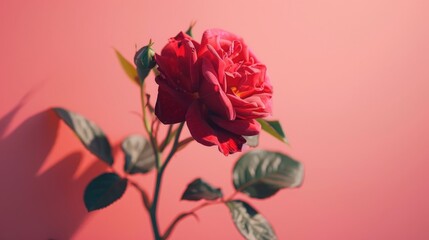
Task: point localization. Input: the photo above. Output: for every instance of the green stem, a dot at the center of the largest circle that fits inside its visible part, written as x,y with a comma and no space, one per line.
167,139
161,169
193,211
183,215
174,148
152,207
149,129
143,193
145,123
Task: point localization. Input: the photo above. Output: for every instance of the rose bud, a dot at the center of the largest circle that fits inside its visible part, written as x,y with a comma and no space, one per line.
144,60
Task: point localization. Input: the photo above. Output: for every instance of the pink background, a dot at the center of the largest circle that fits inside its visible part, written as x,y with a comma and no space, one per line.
351,85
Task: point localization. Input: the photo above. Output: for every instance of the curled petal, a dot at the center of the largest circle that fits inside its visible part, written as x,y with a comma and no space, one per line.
208,134
171,48
215,37
191,58
212,94
258,106
177,64
187,77
226,44
244,127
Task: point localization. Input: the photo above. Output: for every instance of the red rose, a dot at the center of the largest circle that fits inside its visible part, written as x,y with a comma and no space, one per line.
218,87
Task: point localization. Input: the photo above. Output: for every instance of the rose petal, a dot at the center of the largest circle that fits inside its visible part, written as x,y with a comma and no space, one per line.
222,41
258,106
242,127
178,63
171,48
168,67
203,132
214,36
191,70
171,106
212,94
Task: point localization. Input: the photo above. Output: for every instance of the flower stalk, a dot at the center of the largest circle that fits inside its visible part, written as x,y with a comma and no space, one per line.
160,171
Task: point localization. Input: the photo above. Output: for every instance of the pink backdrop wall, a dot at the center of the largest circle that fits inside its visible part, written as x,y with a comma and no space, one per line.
351,85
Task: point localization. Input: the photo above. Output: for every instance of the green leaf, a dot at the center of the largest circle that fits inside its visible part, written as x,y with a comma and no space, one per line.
89,134
261,174
199,189
252,141
251,224
191,26
129,68
273,128
104,190
139,156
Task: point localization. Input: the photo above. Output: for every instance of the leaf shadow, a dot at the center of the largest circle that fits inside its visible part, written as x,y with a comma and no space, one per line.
46,206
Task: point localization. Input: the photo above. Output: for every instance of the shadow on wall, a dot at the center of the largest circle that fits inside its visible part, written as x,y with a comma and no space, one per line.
47,206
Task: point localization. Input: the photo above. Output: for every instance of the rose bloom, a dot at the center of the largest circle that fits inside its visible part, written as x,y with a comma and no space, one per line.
218,87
